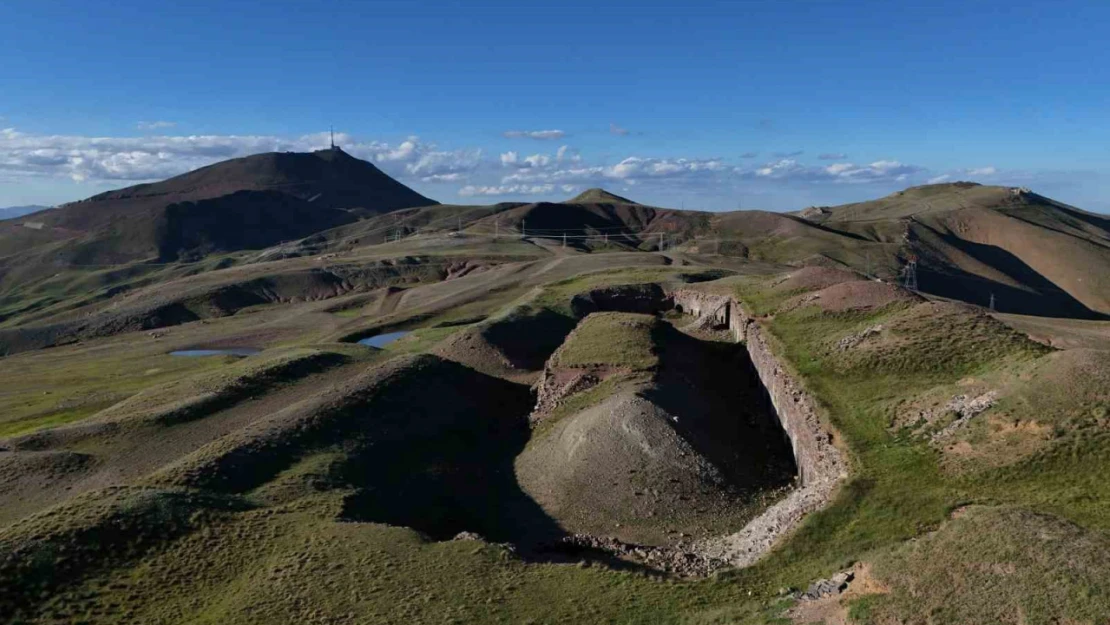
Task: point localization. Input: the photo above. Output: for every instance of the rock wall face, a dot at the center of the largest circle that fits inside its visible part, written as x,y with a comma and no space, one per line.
633,298
818,460
821,466
714,310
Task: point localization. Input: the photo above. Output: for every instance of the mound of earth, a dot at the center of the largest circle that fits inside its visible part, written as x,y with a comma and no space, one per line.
510,345
932,336
860,295
664,445
814,278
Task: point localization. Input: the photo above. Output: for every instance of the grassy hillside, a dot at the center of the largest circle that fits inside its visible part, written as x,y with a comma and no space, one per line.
547,392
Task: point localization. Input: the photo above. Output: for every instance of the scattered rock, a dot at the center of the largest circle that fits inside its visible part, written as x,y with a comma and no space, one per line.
966,408
669,559
469,536
834,585
853,340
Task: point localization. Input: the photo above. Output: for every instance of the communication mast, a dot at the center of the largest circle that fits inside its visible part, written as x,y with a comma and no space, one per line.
909,273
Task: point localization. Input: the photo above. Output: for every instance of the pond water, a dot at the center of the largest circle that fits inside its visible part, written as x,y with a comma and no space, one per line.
228,351
381,340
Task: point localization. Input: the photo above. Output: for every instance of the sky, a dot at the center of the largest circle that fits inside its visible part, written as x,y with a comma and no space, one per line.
773,105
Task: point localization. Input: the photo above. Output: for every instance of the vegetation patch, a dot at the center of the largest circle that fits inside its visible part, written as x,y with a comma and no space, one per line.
611,338
996,565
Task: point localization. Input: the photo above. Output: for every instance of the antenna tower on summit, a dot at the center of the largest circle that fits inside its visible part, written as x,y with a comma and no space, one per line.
331,131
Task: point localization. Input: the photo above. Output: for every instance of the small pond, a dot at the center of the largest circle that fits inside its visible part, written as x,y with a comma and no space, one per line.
227,351
381,340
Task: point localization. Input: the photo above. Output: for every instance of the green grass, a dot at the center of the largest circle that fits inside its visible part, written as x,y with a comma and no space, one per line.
31,424
1001,562
897,490
294,564
422,339
613,339
290,560
50,387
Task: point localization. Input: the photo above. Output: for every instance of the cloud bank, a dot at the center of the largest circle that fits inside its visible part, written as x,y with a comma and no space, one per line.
467,172
135,159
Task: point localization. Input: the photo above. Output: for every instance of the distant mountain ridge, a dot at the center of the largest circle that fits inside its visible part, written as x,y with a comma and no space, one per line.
11,212
242,203
329,178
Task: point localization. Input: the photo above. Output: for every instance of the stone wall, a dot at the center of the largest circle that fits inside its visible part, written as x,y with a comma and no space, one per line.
714,310
821,466
818,460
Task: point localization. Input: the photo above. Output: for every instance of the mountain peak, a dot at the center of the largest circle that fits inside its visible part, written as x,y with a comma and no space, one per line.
329,177
598,195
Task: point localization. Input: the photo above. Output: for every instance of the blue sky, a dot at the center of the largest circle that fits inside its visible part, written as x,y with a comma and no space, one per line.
775,105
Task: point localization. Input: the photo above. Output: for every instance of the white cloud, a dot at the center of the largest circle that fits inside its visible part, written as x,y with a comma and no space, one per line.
832,156
878,171
133,159
456,177
158,125
537,160
403,152
567,153
535,134
617,130
982,171
514,189
629,169
426,162
938,179
509,158
838,168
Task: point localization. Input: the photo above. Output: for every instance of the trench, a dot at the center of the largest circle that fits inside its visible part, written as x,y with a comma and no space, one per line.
820,465
738,407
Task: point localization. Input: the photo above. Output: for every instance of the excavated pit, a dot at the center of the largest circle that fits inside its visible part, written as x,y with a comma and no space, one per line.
672,441
704,463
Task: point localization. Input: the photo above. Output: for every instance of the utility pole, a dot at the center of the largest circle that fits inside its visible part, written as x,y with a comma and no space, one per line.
564,239
523,230
992,301
606,235
661,248
909,274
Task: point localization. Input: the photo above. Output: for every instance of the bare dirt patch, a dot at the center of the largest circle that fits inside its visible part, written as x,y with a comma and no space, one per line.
832,609
814,278
861,295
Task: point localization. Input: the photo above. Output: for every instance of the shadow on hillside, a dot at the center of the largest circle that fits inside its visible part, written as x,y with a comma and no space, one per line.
441,462
1049,300
724,410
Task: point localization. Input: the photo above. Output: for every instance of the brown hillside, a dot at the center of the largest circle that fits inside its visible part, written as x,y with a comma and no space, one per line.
263,199
599,196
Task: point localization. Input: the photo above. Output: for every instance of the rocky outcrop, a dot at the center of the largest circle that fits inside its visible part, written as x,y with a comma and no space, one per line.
632,298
